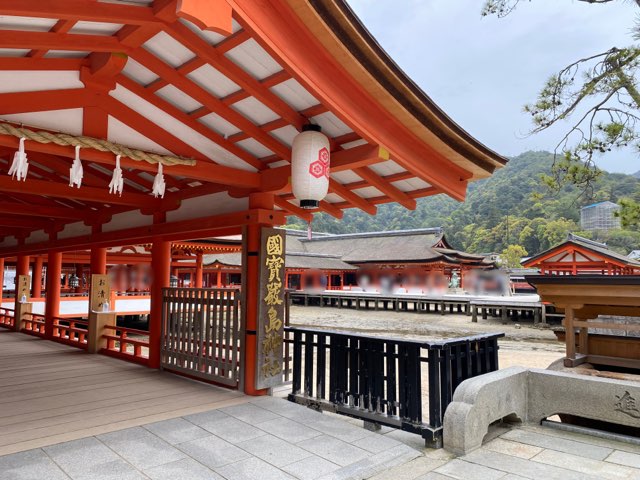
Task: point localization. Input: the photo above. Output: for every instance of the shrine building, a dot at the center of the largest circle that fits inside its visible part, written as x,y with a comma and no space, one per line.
157,124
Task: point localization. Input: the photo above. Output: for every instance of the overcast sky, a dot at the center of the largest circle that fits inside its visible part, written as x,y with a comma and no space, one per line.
481,71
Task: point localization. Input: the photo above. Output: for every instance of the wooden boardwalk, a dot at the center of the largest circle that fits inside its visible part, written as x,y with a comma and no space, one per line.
52,393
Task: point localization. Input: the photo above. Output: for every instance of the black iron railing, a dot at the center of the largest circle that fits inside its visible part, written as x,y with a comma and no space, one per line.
382,380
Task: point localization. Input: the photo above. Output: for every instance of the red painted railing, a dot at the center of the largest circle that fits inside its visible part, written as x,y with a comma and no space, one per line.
127,344
33,324
7,317
71,331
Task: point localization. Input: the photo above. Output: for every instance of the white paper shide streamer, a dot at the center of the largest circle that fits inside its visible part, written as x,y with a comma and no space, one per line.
158,183
76,172
20,166
117,181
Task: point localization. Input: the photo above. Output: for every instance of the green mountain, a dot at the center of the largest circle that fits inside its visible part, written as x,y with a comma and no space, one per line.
511,207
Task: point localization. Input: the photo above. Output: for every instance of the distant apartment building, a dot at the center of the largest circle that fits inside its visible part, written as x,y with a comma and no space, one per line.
599,216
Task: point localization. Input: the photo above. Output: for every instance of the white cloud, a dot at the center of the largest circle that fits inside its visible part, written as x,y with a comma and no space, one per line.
481,71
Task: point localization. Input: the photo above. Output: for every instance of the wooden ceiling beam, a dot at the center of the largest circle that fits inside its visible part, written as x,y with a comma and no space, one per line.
91,194
204,171
178,114
226,66
199,94
268,82
329,81
61,26
81,9
26,223
356,157
52,41
49,64
41,211
352,198
45,100
279,123
385,187
301,213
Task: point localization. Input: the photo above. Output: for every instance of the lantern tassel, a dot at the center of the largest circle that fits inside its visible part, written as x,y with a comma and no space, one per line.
76,172
117,181
20,166
158,183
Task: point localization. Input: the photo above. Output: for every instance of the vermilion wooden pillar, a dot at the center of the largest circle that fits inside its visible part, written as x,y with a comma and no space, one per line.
22,268
98,261
219,279
1,277
198,280
52,304
251,291
161,271
36,280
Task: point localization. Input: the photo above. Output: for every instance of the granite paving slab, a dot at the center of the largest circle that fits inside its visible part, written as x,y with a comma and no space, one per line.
273,439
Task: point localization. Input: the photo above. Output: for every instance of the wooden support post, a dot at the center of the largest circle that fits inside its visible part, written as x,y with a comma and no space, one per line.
97,323
79,273
52,304
219,279
21,311
36,278
198,279
22,268
570,335
1,278
474,313
251,293
161,267
98,261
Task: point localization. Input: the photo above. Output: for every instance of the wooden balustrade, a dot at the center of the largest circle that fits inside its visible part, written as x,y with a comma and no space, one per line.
71,331
33,324
121,345
7,317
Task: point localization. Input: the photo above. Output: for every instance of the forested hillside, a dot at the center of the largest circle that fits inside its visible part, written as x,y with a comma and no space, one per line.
511,207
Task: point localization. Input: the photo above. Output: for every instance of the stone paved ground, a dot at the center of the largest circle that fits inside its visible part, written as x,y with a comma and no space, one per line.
271,438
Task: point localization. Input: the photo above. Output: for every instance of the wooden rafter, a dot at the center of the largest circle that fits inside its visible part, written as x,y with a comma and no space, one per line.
235,73
385,187
187,120
199,94
91,194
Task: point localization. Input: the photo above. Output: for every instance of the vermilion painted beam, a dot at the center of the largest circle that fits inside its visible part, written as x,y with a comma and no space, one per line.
324,77
357,157
189,66
331,209
279,123
150,130
219,225
80,10
203,171
214,15
352,198
53,41
187,120
293,209
41,211
61,26
268,82
49,64
201,48
51,189
163,70
385,187
21,222
45,100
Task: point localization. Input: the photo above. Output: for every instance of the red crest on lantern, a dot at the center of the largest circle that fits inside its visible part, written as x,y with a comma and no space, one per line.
323,155
317,169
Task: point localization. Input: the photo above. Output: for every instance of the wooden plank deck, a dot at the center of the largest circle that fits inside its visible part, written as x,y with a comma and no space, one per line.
52,393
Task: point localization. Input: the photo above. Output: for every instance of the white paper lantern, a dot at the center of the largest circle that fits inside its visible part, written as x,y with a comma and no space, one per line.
310,169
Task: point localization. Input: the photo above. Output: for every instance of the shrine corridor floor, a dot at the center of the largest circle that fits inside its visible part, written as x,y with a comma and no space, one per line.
55,426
